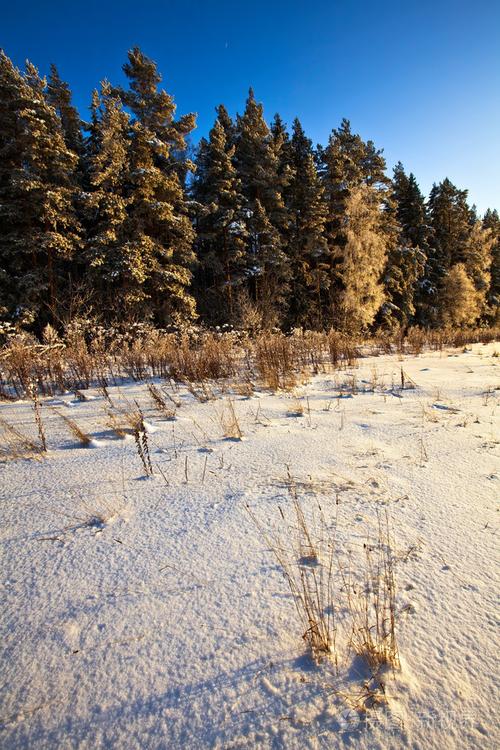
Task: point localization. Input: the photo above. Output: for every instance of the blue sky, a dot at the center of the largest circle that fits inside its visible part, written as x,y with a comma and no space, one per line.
421,78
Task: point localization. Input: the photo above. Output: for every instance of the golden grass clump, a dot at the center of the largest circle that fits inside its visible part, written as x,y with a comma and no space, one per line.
345,599
229,421
210,357
74,429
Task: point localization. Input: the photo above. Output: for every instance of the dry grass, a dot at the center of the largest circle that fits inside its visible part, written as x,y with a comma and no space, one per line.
407,383
244,387
276,361
345,599
229,421
16,445
309,577
74,429
201,391
296,408
91,514
372,605
162,402
210,357
87,354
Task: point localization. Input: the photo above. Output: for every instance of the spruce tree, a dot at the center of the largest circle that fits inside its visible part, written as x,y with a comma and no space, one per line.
307,247
491,221
40,232
112,275
450,219
11,209
257,164
221,229
227,124
268,266
282,149
159,231
59,96
404,279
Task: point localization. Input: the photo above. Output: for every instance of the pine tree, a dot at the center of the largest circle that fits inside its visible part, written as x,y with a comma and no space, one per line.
345,164
39,228
159,232
112,275
363,259
221,229
491,221
257,165
307,247
404,280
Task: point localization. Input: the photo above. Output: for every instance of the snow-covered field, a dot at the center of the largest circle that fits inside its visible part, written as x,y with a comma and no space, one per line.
168,623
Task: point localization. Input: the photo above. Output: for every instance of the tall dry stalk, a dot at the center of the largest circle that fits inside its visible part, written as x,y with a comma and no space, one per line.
141,442
37,409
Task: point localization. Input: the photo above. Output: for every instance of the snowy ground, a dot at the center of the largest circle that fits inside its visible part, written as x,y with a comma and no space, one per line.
171,626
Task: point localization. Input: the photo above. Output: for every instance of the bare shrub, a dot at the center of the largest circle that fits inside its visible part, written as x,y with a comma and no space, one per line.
343,350
211,357
276,361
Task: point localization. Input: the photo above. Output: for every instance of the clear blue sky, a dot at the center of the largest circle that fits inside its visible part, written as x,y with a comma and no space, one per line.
419,77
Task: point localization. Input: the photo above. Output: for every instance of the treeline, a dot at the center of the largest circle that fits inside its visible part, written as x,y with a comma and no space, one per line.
111,218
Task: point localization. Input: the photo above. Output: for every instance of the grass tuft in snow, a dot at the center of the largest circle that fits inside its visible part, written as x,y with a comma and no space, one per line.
345,598
161,403
229,422
15,445
83,438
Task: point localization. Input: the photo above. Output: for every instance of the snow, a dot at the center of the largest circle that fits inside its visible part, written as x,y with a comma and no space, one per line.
149,613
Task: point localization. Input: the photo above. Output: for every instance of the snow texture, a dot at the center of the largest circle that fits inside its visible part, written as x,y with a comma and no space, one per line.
149,612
